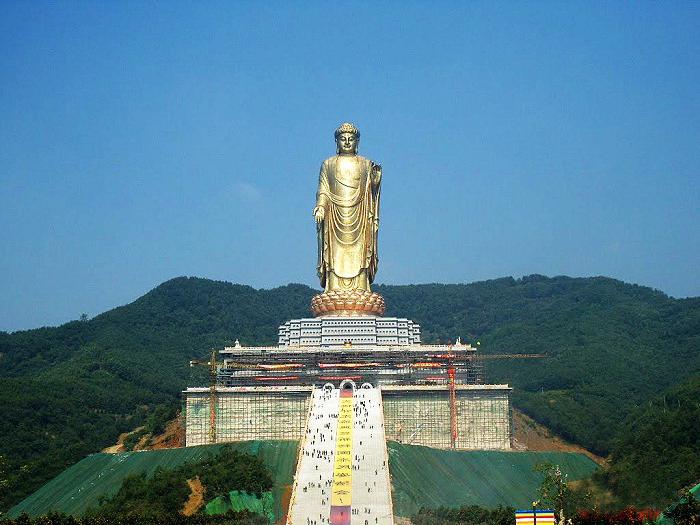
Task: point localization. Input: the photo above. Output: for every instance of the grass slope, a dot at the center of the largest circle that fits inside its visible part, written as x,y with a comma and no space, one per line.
80,487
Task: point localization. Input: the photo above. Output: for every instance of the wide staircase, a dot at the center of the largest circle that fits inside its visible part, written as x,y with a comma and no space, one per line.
342,475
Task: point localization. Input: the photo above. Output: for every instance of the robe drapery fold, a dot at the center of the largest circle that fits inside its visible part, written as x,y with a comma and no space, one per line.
348,190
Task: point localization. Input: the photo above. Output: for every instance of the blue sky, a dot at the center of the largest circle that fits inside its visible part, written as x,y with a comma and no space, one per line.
144,141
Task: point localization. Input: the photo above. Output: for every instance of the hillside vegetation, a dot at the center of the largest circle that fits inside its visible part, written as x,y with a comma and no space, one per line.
100,477
71,390
662,440
165,492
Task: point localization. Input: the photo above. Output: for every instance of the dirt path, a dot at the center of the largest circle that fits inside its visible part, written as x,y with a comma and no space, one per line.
196,498
119,445
172,437
530,435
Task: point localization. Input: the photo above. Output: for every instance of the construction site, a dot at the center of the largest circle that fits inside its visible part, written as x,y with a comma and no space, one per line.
343,387
432,395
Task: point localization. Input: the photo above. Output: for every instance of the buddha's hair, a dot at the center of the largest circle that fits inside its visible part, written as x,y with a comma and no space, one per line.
347,127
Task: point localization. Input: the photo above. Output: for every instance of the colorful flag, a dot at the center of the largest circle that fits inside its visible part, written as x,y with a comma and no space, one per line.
527,517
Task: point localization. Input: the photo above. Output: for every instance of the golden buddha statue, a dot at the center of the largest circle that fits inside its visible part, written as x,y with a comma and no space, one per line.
347,220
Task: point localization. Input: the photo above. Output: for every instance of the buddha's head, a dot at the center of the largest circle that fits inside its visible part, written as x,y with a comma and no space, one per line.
347,138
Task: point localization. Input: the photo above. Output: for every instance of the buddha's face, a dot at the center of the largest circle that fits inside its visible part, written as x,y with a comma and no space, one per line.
347,143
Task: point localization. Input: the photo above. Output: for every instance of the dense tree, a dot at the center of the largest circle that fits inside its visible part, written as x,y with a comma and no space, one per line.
658,450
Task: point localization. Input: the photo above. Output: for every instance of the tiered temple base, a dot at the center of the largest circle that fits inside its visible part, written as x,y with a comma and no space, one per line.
338,332
348,303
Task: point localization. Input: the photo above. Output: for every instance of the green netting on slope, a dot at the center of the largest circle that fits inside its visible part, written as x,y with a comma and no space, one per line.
79,487
238,501
219,505
281,459
665,520
428,477
421,476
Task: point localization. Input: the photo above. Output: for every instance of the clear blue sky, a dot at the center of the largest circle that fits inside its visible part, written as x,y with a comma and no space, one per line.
140,141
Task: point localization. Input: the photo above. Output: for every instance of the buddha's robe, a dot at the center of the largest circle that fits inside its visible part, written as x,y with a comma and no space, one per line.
348,190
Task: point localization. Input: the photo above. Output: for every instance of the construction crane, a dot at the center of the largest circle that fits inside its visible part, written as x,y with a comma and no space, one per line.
451,373
213,398
453,405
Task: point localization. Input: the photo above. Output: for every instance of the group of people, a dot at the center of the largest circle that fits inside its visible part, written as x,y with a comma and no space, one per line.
320,448
363,420
320,437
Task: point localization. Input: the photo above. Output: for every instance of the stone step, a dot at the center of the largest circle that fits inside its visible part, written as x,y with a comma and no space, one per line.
342,474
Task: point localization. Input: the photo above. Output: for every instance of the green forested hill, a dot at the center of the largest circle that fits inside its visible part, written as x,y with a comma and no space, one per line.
662,440
70,390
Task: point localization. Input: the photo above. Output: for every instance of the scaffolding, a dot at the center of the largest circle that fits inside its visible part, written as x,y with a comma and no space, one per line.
413,415
416,365
246,414
424,417
435,395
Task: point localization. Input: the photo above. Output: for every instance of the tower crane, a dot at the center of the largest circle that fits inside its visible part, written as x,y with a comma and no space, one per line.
451,373
213,398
